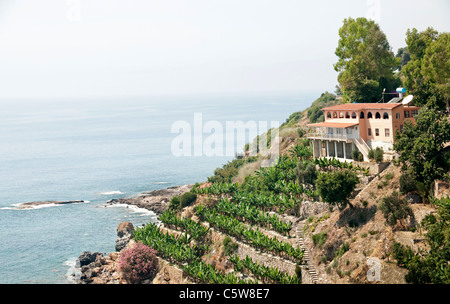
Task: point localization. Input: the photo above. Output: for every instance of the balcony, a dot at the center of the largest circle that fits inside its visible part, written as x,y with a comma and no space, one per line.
332,136
333,131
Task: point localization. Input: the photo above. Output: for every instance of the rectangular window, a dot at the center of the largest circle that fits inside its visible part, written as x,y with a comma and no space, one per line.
401,128
349,130
414,113
386,132
377,132
369,131
406,114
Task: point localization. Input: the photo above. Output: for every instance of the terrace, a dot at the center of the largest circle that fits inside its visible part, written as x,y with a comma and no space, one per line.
333,131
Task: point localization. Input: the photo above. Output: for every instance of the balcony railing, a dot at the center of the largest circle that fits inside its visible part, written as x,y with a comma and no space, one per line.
336,136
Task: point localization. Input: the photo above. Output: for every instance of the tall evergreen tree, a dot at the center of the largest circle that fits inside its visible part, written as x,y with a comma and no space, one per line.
366,62
427,75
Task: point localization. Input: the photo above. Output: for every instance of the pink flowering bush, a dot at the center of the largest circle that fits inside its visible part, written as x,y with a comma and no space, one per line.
138,263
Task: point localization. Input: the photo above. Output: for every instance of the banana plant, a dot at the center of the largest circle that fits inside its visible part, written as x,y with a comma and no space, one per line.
232,226
264,273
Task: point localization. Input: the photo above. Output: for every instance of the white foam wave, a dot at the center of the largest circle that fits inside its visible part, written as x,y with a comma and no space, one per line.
73,272
134,209
21,206
110,193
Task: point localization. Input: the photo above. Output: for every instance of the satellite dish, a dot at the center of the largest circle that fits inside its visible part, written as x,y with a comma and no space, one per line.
407,99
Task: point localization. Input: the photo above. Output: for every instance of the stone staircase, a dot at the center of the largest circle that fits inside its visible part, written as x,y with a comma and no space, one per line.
307,261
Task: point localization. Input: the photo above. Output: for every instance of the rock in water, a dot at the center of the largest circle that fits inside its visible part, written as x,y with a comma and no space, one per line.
124,234
88,257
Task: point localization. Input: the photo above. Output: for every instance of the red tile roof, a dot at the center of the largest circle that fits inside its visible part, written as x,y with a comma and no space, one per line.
362,106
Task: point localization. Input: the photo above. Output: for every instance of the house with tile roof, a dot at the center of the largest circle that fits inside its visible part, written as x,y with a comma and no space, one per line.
361,126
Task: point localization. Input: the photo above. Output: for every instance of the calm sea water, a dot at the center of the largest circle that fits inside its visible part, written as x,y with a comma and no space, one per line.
97,150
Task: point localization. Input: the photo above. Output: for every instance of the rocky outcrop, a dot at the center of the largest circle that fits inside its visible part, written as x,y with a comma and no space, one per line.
124,235
31,205
156,201
88,257
97,268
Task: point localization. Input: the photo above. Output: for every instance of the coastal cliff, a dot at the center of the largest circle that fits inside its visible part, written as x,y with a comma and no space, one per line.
343,244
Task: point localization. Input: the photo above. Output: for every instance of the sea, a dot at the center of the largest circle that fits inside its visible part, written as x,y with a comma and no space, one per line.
97,149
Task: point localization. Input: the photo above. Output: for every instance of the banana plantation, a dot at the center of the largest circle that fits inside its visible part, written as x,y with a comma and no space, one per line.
254,213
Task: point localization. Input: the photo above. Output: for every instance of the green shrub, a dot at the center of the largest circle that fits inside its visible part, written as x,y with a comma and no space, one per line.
357,156
293,119
179,202
378,155
343,249
337,186
319,239
407,183
187,199
306,174
174,202
401,253
315,114
394,208
389,176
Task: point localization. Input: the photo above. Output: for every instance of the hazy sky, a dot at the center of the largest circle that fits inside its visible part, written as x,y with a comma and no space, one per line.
102,48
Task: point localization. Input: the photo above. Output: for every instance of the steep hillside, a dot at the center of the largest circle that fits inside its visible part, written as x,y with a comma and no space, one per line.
250,223
353,240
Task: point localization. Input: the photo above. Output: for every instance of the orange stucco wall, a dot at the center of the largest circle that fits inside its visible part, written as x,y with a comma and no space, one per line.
392,123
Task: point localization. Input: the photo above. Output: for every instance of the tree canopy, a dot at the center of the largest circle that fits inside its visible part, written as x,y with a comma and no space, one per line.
430,266
366,62
336,187
427,75
422,146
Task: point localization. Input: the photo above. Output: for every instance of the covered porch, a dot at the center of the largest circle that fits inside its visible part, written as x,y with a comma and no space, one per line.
331,148
333,139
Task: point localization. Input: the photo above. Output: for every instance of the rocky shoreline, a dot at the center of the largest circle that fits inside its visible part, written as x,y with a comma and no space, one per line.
99,268
156,200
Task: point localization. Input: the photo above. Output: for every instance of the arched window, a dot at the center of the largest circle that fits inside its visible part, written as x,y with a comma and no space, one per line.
385,115
334,115
397,115
354,115
328,114
361,115
347,115
377,115
369,115
341,115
